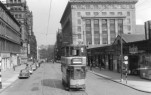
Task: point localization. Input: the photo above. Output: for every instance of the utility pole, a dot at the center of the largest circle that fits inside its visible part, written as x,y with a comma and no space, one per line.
0,72
121,54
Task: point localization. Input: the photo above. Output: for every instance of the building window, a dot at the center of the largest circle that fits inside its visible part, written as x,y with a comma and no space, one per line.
20,16
11,1
12,9
19,1
112,39
96,13
128,21
112,13
96,32
87,13
87,6
105,40
79,28
88,22
104,26
16,15
79,21
88,31
112,26
104,13
79,36
78,14
96,6
128,13
120,13
96,26
120,26
129,28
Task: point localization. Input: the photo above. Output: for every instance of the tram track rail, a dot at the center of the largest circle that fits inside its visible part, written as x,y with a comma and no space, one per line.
77,93
42,82
71,92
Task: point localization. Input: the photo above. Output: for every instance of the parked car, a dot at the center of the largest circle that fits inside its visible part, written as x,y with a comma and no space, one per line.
24,73
33,67
37,64
30,70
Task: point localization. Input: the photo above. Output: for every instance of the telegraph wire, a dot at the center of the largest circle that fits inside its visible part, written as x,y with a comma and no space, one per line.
49,17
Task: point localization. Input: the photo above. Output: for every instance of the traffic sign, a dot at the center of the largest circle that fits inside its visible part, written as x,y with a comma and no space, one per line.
126,62
125,57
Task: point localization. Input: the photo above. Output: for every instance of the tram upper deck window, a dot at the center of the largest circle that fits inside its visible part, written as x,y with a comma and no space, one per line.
74,51
78,51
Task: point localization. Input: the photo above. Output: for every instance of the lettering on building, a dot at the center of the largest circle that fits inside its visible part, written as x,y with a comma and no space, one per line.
133,49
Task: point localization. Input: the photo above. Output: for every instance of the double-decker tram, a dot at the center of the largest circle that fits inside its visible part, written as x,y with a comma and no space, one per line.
145,66
73,66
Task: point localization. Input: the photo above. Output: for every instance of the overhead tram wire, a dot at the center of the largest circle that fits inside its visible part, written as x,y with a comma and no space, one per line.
42,89
49,17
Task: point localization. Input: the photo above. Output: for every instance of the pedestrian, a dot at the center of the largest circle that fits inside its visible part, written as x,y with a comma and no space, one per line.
14,67
91,65
26,66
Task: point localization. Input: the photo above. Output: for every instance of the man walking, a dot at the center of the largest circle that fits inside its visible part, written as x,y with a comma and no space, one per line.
14,67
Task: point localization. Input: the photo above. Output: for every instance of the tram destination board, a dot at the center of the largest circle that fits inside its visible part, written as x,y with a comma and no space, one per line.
76,61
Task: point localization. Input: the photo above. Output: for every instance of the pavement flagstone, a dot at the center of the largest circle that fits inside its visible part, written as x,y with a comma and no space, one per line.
10,76
134,82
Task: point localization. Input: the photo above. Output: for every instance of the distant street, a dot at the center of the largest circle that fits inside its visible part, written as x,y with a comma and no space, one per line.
46,80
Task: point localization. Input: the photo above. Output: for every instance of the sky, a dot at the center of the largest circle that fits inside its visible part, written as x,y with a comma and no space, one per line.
45,28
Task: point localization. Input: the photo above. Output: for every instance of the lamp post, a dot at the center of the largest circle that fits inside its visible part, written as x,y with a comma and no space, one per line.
0,72
121,58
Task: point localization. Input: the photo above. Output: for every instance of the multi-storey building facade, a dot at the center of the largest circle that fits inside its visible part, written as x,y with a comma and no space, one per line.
32,45
148,30
10,38
20,11
58,45
97,21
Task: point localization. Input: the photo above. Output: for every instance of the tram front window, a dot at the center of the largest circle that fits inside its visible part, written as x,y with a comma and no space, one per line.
79,73
75,52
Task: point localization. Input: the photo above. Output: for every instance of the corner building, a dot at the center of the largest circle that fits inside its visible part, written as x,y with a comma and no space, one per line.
97,22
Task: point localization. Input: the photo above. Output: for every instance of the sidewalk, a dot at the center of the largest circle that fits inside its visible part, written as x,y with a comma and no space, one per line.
9,76
134,82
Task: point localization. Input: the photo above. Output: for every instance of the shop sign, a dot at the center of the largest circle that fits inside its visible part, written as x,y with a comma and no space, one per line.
133,49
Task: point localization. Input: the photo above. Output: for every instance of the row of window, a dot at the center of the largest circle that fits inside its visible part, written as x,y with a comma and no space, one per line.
79,21
105,6
18,15
9,20
15,1
6,46
104,25
97,40
16,9
103,13
9,32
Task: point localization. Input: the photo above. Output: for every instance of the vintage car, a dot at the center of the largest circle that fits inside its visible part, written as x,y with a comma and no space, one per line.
24,73
33,67
30,69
